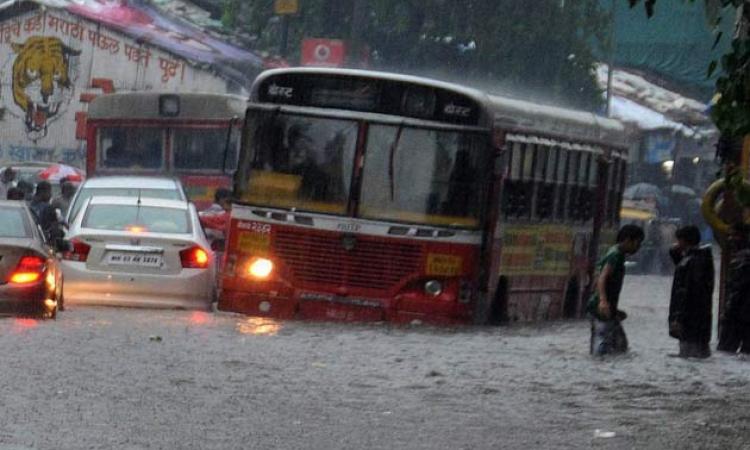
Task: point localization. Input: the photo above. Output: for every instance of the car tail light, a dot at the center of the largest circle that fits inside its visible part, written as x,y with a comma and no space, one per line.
194,258
79,251
28,270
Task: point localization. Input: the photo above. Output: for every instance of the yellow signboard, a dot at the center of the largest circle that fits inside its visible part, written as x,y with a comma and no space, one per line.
536,250
282,7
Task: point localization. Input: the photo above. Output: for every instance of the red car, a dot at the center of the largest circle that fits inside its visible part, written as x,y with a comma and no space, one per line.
30,276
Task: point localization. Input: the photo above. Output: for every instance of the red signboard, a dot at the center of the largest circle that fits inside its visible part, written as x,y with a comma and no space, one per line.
323,53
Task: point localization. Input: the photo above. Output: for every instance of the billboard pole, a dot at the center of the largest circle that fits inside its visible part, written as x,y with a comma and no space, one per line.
284,36
285,9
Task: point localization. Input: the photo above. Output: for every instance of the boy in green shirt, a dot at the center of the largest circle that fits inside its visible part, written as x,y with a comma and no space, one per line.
607,334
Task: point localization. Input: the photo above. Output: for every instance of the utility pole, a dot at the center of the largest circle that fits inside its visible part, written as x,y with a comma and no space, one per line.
284,36
359,12
611,56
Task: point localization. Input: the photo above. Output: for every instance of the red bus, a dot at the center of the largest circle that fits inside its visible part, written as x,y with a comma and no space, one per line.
191,136
367,196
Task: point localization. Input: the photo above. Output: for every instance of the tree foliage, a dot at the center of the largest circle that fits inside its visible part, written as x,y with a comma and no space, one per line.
545,50
731,112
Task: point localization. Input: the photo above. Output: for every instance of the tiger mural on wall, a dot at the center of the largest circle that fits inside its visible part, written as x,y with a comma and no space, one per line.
41,81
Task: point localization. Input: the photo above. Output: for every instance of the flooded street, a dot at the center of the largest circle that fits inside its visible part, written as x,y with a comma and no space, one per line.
369,160
135,379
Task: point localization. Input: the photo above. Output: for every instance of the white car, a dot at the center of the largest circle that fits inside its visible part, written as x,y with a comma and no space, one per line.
142,252
125,186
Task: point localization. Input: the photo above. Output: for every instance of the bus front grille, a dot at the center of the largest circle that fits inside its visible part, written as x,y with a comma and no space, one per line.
366,264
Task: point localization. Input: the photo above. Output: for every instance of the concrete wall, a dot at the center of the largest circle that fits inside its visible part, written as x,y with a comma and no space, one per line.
53,63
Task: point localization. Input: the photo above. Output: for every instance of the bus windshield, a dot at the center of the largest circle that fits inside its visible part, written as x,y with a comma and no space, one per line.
423,176
204,149
192,149
131,148
300,162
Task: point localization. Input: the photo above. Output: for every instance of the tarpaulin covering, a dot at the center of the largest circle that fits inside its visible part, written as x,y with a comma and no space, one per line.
676,42
645,118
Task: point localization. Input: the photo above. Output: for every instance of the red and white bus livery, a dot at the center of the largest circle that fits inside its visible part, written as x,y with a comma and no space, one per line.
366,196
192,136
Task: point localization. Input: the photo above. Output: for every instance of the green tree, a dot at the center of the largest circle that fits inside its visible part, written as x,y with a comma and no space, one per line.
544,50
730,113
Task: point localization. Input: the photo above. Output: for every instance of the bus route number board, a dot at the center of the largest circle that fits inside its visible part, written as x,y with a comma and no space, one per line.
255,238
444,265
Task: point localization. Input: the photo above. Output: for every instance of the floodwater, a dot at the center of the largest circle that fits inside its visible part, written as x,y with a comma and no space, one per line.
135,379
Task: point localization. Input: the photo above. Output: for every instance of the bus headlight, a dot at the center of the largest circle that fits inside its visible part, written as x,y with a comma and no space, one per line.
433,288
260,268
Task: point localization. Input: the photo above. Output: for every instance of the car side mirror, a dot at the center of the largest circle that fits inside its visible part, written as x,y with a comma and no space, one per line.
62,245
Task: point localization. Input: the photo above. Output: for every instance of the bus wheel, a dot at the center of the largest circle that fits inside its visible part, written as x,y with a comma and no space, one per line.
572,292
498,312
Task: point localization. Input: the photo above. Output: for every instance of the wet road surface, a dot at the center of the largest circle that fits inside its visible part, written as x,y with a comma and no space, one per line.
135,379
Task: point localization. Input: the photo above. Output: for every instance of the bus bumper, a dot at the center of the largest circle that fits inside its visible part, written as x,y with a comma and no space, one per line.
328,307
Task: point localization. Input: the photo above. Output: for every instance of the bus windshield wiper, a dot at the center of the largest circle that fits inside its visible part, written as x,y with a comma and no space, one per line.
392,160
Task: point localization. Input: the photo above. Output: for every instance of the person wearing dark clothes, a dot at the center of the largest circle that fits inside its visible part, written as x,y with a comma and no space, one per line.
692,293
222,202
27,188
43,211
62,201
734,324
16,194
607,335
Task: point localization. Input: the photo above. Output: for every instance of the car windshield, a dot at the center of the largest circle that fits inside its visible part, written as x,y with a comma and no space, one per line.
423,176
300,162
150,219
12,223
88,192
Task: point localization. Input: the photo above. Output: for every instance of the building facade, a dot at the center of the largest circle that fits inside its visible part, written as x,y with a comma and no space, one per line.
55,60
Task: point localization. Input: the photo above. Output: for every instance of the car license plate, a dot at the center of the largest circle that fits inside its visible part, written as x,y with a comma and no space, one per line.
134,259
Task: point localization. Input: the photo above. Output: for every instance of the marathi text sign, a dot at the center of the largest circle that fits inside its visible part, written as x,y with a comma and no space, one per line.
536,250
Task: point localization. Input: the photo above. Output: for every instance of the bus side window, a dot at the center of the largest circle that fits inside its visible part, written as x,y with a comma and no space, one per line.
545,192
510,187
593,179
516,197
527,183
614,191
573,189
562,187
584,194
